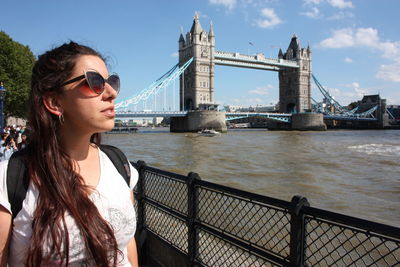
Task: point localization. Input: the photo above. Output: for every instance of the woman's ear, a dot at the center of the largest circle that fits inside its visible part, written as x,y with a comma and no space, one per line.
51,103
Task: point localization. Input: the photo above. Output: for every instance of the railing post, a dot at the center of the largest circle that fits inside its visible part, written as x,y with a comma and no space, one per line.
297,231
141,234
140,194
192,213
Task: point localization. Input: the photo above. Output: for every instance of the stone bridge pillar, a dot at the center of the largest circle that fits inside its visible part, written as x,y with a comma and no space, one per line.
295,84
197,82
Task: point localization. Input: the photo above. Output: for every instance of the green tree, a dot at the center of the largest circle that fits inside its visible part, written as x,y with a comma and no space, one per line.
16,62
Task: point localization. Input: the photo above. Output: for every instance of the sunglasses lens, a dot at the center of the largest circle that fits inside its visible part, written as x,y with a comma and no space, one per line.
95,81
114,82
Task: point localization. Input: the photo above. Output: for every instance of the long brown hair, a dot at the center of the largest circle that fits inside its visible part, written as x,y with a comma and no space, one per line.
61,190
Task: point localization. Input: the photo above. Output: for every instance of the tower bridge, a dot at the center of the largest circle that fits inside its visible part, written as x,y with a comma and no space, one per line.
196,72
197,84
197,87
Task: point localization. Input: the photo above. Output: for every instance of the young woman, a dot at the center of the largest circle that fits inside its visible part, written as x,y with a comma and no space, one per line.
78,210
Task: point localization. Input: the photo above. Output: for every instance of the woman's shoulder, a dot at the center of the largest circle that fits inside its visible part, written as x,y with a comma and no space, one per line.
3,169
134,176
3,185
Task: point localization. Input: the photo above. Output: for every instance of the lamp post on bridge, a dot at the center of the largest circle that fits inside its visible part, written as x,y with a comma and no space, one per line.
2,97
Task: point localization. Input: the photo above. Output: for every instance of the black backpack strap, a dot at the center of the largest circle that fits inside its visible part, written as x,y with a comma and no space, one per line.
17,181
119,160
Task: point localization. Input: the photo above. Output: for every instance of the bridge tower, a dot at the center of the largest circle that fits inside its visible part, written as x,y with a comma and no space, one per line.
295,83
197,82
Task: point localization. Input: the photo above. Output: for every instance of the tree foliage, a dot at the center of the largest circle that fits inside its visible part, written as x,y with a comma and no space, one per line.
16,62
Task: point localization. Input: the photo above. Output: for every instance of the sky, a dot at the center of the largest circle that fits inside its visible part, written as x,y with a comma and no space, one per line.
355,44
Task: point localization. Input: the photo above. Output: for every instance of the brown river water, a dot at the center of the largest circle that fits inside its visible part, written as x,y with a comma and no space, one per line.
350,172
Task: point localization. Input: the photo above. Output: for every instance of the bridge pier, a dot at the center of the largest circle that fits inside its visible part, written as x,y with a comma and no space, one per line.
301,122
308,122
196,120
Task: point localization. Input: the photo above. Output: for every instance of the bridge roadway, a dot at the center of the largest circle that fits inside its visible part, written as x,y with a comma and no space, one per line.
151,114
230,115
283,117
258,61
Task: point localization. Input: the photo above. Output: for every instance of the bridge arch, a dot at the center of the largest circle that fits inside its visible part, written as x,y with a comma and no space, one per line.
189,104
291,108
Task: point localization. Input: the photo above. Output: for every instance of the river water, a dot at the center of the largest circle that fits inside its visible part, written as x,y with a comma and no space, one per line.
351,172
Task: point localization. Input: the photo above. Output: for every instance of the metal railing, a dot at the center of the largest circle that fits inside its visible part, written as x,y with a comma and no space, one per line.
215,225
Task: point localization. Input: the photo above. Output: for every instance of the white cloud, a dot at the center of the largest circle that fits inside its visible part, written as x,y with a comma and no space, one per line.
247,102
341,38
261,90
354,93
341,15
230,4
255,100
270,19
341,3
312,2
334,3
369,38
389,72
176,54
390,50
362,37
348,60
313,13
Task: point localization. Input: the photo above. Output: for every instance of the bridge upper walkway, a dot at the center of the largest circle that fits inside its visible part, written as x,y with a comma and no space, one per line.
253,62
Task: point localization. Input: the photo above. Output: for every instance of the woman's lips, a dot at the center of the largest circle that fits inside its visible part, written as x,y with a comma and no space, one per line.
109,112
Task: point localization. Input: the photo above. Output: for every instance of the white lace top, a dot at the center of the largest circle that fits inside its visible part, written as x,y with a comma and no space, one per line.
112,198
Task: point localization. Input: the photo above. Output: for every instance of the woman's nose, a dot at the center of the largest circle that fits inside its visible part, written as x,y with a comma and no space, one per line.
109,92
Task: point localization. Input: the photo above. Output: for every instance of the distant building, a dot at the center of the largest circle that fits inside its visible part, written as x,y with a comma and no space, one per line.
141,121
257,108
370,101
230,108
394,113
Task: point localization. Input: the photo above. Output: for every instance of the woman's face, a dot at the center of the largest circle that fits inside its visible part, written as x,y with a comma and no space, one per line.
84,111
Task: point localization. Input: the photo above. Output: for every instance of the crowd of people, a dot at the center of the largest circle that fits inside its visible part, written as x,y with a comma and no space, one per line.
13,138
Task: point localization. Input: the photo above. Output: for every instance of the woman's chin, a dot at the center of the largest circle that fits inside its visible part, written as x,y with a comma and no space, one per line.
108,126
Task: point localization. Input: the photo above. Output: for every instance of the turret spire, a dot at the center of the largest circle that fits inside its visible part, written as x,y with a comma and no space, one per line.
196,27
280,55
211,33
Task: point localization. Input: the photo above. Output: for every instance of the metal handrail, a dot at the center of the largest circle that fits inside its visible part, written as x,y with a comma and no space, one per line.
254,228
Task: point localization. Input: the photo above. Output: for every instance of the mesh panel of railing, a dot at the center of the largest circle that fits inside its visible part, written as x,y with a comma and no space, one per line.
256,223
328,243
166,190
215,251
167,226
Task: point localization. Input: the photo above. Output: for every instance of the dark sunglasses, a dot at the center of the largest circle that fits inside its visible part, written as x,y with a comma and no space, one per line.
96,82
